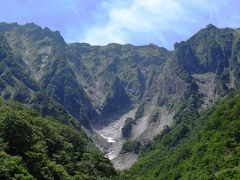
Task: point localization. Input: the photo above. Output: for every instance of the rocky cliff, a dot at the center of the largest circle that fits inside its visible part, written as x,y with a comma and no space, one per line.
102,86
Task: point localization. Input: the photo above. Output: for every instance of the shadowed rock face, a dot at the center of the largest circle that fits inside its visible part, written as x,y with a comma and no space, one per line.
116,73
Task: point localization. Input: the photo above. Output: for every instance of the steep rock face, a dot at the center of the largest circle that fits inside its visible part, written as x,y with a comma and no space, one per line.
216,51
93,80
16,82
199,71
168,85
37,47
94,83
115,75
64,88
117,99
211,50
234,67
41,53
89,81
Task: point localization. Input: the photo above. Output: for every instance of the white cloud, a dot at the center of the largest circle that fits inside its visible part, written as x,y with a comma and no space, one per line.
158,21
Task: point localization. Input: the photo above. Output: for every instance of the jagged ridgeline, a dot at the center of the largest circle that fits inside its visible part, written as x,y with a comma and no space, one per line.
144,90
90,82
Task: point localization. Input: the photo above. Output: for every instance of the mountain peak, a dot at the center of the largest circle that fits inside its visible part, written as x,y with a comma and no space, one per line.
31,25
211,26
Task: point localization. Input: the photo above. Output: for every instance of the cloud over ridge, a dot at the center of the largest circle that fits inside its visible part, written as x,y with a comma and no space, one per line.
159,21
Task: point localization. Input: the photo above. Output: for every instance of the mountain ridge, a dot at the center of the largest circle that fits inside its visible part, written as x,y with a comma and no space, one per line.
98,86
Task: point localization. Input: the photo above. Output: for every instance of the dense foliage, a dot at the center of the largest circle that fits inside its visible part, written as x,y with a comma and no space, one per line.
43,148
131,146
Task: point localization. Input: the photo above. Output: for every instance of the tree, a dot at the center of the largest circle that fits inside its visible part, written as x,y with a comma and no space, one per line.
18,133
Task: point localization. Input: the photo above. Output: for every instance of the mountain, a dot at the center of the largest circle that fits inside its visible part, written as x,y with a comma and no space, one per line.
204,141
41,54
195,75
125,67
123,96
69,74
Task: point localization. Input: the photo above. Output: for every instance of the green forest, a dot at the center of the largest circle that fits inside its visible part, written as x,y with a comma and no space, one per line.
33,147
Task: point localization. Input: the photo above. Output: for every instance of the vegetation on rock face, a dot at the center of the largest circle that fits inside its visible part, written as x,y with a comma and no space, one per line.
131,146
130,68
65,90
127,128
123,75
70,74
40,68
16,82
140,111
43,148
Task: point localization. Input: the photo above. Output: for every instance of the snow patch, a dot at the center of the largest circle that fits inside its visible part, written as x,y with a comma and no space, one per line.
109,139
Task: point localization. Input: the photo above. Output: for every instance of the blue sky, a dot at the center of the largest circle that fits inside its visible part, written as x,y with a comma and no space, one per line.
99,22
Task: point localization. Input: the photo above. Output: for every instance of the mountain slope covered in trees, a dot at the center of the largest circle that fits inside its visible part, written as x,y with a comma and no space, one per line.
205,145
35,147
